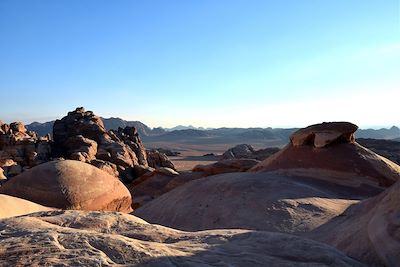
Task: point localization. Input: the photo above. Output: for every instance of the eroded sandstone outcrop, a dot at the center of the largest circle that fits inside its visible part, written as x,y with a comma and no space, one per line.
295,190
81,135
328,152
21,149
321,135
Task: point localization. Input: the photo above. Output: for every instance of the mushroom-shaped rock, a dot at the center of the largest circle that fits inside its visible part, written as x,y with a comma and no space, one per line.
69,184
328,152
323,134
13,206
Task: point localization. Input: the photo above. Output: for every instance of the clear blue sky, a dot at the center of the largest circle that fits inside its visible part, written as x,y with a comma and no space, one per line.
202,62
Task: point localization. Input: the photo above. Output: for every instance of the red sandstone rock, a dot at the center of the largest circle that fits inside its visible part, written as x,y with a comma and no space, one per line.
69,184
323,134
343,161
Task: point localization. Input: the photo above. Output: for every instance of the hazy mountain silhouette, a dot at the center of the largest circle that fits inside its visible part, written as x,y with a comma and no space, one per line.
219,135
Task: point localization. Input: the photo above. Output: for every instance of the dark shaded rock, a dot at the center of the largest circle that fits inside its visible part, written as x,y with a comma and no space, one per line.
239,151
157,159
245,151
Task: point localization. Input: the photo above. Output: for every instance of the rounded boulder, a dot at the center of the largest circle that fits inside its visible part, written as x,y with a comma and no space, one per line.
69,184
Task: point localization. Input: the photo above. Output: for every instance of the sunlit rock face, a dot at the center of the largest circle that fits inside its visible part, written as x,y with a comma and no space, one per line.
70,184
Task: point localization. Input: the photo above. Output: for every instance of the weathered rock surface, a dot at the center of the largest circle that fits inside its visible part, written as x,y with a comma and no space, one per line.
368,231
226,166
77,238
21,149
259,201
12,206
343,161
69,184
81,136
321,135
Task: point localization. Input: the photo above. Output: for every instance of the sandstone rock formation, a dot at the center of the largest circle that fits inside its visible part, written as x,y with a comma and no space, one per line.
293,191
21,149
368,231
328,152
321,135
13,206
81,136
69,184
76,238
259,201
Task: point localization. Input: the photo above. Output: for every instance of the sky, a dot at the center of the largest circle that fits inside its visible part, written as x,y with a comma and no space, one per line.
210,63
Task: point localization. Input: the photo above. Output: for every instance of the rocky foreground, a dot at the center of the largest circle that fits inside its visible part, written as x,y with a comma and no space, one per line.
76,238
323,200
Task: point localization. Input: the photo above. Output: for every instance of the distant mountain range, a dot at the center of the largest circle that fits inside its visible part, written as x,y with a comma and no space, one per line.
220,135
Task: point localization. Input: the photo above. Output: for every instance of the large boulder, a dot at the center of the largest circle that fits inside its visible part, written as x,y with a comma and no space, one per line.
341,160
368,231
68,184
157,159
245,151
13,206
239,151
76,238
